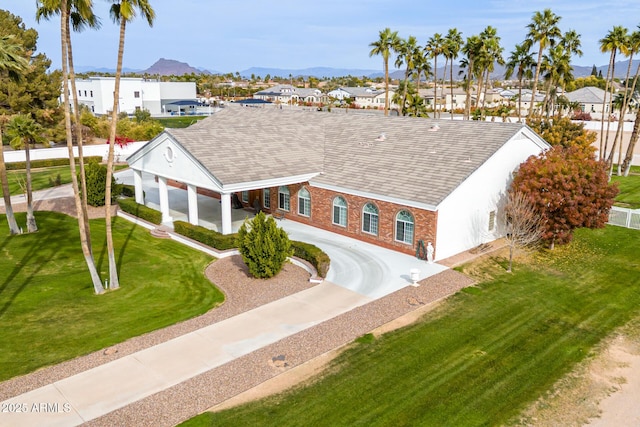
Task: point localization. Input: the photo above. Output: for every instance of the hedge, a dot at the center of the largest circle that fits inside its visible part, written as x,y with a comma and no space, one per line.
128,190
305,251
46,163
204,235
141,211
313,254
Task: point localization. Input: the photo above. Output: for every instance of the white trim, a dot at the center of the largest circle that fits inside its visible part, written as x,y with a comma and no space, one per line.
367,195
266,183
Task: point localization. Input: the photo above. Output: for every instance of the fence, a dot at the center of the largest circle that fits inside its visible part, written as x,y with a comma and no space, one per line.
120,153
623,217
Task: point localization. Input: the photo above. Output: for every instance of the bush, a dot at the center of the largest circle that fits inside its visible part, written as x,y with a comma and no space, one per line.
127,190
141,211
46,163
205,236
96,176
312,254
264,246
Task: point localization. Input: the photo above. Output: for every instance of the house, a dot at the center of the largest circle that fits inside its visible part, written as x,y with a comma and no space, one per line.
157,97
590,99
288,94
397,182
363,97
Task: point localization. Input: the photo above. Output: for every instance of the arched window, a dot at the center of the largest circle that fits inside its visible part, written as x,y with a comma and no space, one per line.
340,211
283,198
304,202
404,227
370,219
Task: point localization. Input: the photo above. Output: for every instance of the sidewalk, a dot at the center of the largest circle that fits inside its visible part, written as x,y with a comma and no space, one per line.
106,388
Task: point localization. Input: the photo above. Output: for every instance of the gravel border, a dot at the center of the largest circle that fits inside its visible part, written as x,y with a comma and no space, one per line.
196,395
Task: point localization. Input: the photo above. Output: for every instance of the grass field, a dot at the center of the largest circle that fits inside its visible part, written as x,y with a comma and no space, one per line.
178,121
480,358
629,196
49,312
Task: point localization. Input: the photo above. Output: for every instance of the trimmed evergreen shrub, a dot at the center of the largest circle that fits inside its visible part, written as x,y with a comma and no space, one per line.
141,211
45,163
127,190
312,254
205,236
264,246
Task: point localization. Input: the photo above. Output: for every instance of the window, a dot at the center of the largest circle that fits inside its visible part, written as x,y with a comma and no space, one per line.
85,93
136,94
266,198
370,219
91,93
79,92
340,211
245,197
304,202
492,220
283,198
404,227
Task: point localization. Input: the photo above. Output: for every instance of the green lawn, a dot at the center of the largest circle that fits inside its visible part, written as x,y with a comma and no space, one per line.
480,358
41,178
178,121
629,196
49,312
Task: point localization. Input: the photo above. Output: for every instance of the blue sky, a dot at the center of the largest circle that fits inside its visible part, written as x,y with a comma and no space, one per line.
231,35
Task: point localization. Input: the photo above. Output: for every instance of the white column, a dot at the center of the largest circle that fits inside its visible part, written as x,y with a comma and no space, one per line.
137,183
192,195
164,199
225,207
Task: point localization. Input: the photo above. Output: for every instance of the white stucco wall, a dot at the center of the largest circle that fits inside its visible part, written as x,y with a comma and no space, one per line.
463,217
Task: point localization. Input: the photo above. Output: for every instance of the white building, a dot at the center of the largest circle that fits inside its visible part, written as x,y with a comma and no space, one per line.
135,94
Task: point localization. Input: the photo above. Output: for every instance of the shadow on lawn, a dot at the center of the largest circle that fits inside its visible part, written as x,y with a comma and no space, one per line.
35,249
121,252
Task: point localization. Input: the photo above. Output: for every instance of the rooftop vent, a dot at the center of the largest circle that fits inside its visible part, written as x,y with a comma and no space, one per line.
381,137
434,128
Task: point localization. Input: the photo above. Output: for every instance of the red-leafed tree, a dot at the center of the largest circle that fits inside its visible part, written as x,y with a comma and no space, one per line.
569,188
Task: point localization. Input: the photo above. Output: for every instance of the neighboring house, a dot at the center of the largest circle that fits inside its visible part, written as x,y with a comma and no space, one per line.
389,181
591,100
288,94
363,97
135,94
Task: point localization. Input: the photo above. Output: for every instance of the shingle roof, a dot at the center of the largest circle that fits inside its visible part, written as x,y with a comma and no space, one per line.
587,95
412,161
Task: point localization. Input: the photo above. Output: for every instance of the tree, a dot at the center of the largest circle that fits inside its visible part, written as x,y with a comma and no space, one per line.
12,64
263,245
387,42
453,44
563,132
84,242
521,59
520,222
96,183
471,49
491,53
23,132
408,51
543,30
121,12
616,39
569,188
434,48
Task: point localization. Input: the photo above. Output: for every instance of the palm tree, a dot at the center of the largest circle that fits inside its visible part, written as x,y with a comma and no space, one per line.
626,164
123,12
12,63
557,67
407,51
434,48
491,54
521,59
84,243
471,49
387,42
23,131
79,17
616,39
543,30
453,44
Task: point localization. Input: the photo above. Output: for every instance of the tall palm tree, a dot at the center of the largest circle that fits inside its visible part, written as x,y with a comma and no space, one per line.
615,40
434,48
491,54
122,12
543,30
387,42
453,44
407,50
557,69
471,49
84,243
521,59
13,62
23,131
631,49
626,164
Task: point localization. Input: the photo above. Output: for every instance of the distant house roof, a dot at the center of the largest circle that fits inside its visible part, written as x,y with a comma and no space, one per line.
587,95
184,102
252,101
412,159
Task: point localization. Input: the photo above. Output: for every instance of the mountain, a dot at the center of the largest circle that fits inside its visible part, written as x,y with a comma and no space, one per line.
318,72
171,67
102,70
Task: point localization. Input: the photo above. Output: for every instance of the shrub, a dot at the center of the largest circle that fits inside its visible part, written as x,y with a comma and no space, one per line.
127,190
205,236
141,211
45,163
312,254
264,246
96,176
